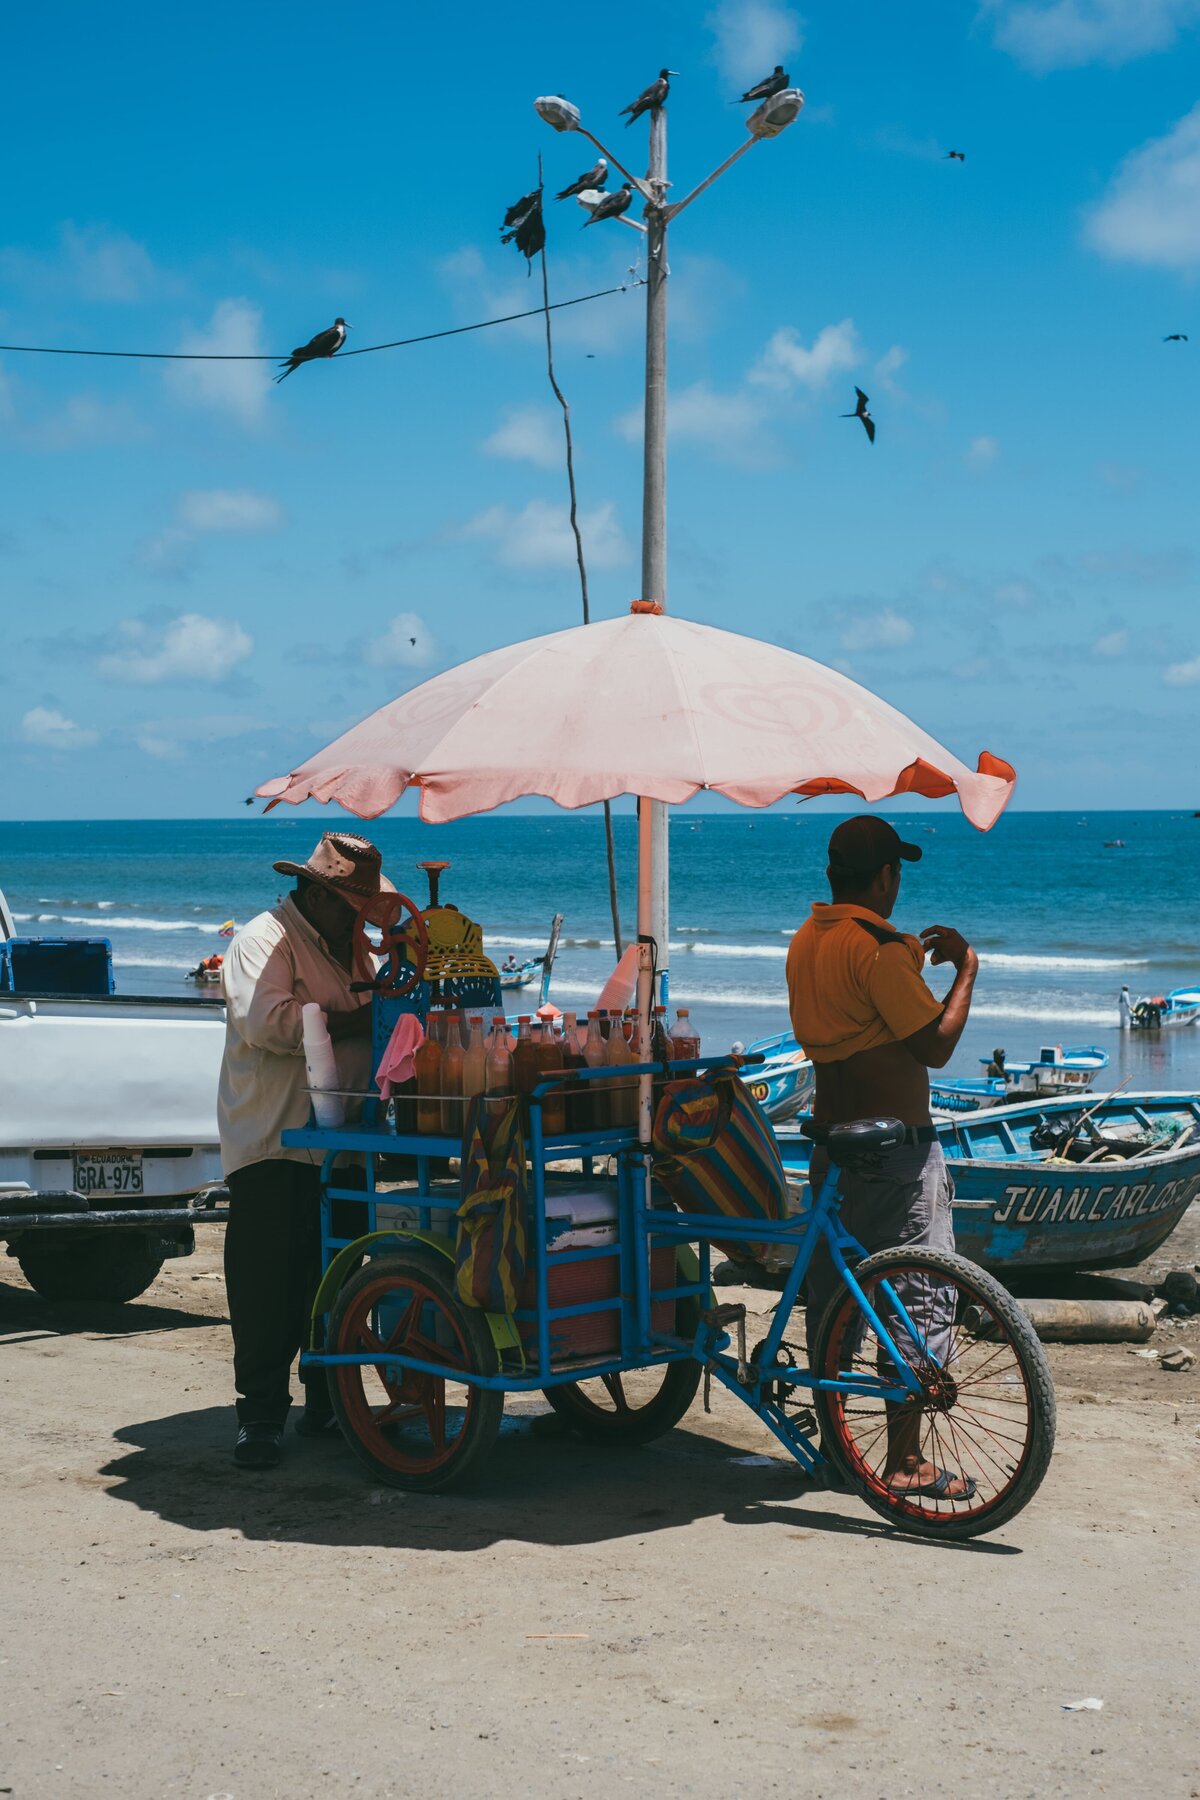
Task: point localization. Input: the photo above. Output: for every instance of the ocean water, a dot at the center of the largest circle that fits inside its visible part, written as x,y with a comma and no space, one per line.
1060,919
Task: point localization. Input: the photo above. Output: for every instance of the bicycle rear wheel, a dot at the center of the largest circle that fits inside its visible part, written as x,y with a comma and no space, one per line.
986,1408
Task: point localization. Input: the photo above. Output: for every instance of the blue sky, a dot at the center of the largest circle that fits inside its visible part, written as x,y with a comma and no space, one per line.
205,576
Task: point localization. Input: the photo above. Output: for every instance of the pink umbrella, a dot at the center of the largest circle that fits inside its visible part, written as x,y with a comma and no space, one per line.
649,705
646,704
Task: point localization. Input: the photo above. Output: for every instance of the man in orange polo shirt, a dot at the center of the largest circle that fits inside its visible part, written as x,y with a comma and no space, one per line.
873,1030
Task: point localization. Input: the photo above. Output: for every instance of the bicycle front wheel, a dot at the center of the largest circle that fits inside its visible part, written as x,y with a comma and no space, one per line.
985,1413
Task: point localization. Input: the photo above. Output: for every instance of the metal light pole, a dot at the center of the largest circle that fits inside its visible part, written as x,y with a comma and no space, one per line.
766,121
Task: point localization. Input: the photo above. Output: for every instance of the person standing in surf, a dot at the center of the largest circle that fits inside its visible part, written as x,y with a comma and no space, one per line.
872,1029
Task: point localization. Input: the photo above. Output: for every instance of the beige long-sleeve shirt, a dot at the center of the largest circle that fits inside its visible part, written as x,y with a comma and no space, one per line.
274,965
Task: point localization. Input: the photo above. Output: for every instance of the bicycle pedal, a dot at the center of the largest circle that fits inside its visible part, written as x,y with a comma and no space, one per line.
730,1312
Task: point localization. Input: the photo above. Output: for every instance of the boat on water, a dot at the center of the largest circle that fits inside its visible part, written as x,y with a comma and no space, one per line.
514,975
783,1083
1160,1012
1049,1184
1057,1070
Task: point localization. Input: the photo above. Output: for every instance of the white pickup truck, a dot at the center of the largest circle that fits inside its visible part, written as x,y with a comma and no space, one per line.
108,1131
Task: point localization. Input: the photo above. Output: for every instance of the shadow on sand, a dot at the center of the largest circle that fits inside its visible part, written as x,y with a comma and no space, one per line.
557,1491
24,1312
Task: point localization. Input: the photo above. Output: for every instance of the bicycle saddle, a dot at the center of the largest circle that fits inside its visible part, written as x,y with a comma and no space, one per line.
858,1137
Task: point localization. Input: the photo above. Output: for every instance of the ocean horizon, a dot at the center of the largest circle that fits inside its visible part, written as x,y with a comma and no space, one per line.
1063,907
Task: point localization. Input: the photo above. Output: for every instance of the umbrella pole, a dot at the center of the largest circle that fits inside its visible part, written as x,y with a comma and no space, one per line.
645,981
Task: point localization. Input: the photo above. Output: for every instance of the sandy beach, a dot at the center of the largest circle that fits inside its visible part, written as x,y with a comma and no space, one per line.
676,1620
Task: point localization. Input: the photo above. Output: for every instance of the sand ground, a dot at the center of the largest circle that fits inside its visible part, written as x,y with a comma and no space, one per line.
665,1621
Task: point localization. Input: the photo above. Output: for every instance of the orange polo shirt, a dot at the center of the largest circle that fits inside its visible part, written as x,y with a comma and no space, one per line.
851,988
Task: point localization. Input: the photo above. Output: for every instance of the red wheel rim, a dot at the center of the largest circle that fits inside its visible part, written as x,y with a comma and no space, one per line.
607,1397
401,1415
976,1414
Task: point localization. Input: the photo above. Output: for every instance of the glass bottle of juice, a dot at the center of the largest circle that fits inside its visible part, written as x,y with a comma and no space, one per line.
623,1092
660,1042
474,1075
594,1105
572,1054
427,1066
499,1064
550,1063
452,1078
524,1062
685,1042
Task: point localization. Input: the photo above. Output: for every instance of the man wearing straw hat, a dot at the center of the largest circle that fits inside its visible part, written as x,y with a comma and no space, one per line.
303,951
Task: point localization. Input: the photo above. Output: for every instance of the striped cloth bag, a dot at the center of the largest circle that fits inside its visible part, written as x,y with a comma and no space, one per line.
716,1153
490,1241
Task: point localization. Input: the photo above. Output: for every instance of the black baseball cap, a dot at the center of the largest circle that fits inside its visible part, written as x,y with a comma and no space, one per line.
863,845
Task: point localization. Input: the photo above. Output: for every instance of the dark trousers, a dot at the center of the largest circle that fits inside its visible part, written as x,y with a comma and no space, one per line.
272,1269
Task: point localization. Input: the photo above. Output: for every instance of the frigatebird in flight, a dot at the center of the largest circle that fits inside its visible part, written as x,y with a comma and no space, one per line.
595,178
652,97
326,343
524,225
860,412
763,90
955,156
1176,337
611,207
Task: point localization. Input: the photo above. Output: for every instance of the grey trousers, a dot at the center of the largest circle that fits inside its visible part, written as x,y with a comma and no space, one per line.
903,1202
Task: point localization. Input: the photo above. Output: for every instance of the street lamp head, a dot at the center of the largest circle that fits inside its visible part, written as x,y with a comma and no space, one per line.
775,114
557,112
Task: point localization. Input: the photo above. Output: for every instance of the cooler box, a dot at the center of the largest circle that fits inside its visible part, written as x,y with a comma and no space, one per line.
585,1218
74,966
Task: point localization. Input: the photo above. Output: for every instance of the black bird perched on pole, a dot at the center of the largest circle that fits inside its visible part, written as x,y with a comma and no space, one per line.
763,90
955,156
524,225
595,178
860,412
653,96
612,206
1176,337
326,343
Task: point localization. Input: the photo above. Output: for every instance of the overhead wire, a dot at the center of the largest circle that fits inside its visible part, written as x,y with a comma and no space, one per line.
425,337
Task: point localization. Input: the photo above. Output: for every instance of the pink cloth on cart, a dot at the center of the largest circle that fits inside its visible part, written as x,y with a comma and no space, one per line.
396,1064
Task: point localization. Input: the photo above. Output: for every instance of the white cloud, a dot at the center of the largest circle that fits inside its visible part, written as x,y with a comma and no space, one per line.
528,434
599,327
237,388
167,739
189,648
1151,212
407,643
889,366
1068,34
1183,674
981,453
539,536
1113,643
91,261
52,730
731,425
785,360
79,423
751,37
883,630
201,512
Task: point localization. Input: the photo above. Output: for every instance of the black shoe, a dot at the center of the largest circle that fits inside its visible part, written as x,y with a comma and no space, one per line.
258,1446
316,1422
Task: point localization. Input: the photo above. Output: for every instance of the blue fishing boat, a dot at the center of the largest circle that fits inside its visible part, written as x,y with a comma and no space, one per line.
1044,1185
1056,1071
783,1083
1160,1012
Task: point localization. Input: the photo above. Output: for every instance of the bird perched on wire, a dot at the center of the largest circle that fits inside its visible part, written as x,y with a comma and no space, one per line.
595,178
611,206
524,225
764,90
955,156
326,343
652,97
860,412
1176,337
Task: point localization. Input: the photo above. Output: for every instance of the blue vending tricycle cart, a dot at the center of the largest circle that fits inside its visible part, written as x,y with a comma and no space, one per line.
927,1392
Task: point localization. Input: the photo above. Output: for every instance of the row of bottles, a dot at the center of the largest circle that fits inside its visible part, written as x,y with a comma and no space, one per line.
456,1062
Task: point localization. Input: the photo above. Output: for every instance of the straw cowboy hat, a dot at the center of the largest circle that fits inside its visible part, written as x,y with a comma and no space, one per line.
348,865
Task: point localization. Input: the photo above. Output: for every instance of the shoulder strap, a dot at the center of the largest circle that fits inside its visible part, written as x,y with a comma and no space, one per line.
881,933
